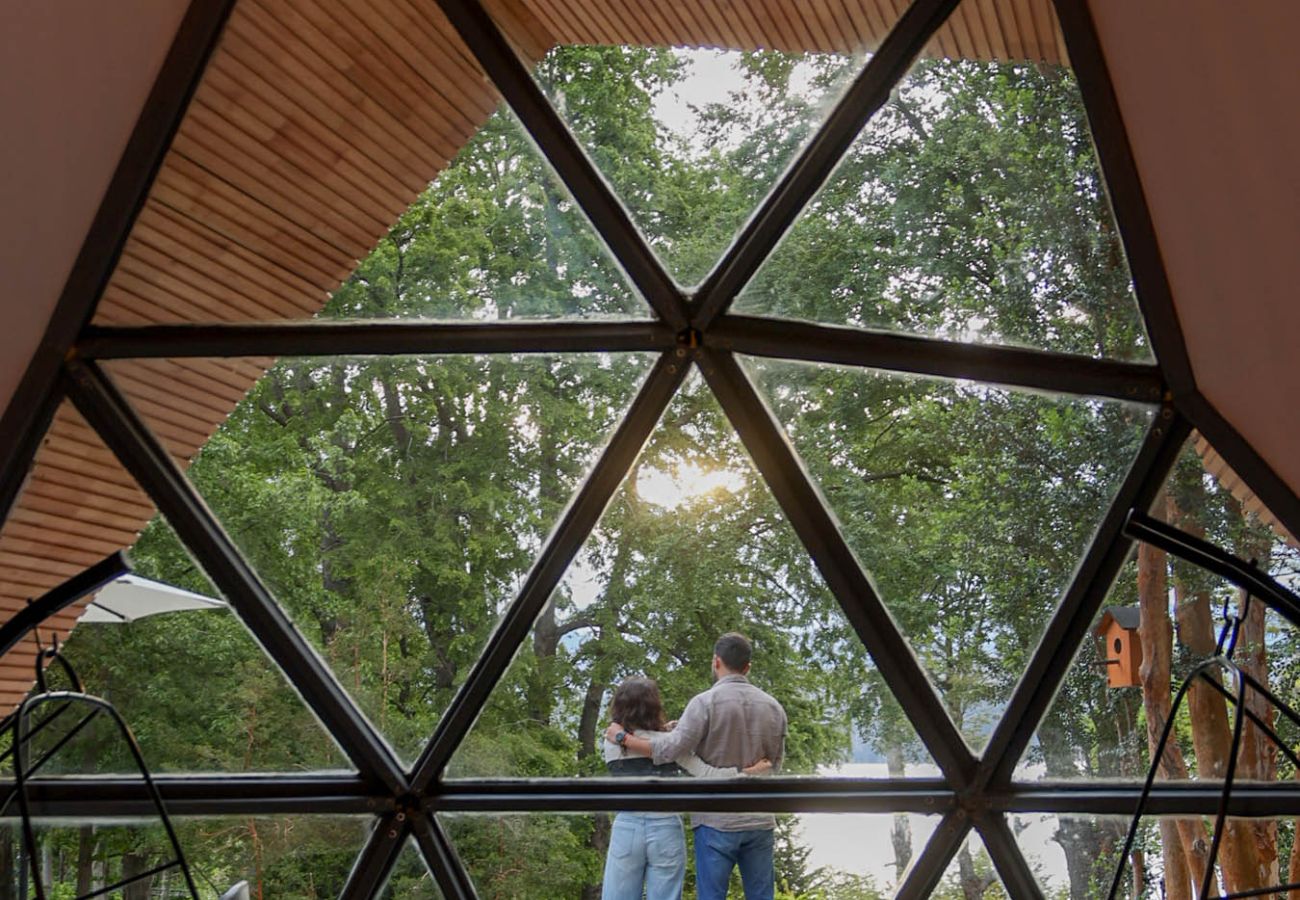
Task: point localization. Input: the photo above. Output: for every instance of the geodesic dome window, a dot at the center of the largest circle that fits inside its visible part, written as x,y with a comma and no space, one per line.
814,323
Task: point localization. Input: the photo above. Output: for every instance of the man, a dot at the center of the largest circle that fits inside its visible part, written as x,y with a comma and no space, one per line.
731,724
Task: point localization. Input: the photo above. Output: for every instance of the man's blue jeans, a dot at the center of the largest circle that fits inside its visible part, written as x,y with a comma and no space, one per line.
716,852
647,852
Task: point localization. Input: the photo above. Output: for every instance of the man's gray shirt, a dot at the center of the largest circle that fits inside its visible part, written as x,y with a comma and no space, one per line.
733,723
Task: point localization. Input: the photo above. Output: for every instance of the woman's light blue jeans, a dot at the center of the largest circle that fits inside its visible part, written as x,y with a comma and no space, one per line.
647,851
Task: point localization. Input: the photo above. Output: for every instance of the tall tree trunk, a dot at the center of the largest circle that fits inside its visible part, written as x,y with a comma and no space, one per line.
1082,840
901,834
1293,870
1211,733
47,865
7,863
1257,760
973,885
134,864
587,735
546,641
589,721
1185,846
546,632
85,858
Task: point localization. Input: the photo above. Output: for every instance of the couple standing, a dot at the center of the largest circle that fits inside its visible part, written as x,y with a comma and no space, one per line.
730,729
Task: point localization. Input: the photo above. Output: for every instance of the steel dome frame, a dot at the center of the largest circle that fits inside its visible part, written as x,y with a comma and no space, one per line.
690,330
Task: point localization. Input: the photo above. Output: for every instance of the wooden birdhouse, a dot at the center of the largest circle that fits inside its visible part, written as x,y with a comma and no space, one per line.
1123,647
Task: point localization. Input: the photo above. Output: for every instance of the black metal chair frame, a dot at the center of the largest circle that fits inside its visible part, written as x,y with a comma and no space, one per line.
1248,577
18,724
21,730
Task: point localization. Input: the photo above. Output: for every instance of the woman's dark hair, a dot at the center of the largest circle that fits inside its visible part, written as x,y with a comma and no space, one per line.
637,705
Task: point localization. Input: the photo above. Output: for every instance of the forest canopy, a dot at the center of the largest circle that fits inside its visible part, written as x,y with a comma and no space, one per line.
395,505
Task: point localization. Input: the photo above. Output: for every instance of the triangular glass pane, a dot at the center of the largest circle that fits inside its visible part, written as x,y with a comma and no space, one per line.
494,236
971,874
410,878
969,505
1099,726
193,685
839,855
285,856
393,505
970,208
691,138
1076,856
692,546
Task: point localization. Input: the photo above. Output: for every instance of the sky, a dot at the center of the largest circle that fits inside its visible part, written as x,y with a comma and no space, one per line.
860,842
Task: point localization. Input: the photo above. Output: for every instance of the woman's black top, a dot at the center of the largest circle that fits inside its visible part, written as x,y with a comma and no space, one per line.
641,767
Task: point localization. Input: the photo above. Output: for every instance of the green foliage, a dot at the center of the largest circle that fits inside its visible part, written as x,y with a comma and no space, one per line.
395,505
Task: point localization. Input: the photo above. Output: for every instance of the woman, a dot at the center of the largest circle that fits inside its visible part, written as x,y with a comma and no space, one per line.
647,851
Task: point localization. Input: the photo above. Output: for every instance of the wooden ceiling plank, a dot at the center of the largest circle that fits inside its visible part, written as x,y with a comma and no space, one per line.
120,299
67,471
988,13
449,108
102,477
1048,31
531,38
193,409
387,79
878,21
281,146
57,537
980,44
747,24
200,374
857,27
789,26
327,194
151,264
960,33
280,282
715,29
73,445
42,551
234,276
542,11
310,76
439,58
174,428
108,312
431,14
688,25
140,279
445,60
82,497
802,32
67,516
568,28
215,155
302,137
1026,35
189,188
214,188
637,25
822,26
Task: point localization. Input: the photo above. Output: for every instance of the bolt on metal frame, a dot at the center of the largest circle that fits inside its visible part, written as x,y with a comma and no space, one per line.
689,329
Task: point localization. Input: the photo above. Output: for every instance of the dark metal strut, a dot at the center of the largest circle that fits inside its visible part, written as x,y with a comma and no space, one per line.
152,466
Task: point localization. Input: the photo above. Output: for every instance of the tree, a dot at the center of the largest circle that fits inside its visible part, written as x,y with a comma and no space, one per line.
394,505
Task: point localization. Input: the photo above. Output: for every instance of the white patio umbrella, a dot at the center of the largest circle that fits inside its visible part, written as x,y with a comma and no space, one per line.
131,597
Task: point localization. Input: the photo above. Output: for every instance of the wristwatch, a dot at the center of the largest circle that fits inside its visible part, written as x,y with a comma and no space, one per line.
620,737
